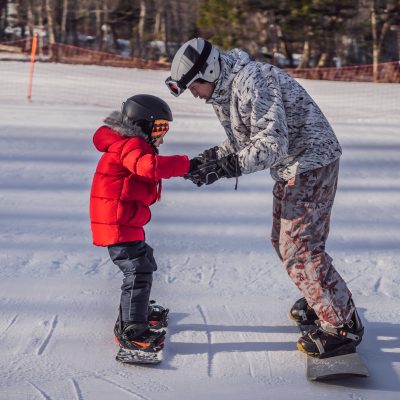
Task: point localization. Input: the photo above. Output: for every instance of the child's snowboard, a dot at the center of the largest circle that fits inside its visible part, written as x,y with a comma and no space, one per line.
336,367
153,356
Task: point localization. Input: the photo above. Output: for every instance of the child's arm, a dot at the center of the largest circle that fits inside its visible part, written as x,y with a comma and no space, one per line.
152,166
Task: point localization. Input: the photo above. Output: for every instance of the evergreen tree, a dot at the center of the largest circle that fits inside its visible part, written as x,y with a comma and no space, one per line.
220,21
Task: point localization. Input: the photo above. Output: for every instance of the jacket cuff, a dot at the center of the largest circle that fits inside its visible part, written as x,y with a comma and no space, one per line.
182,165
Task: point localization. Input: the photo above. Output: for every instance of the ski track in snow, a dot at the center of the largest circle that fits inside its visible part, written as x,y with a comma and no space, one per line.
12,322
77,390
46,340
261,275
213,273
124,388
43,395
378,284
209,340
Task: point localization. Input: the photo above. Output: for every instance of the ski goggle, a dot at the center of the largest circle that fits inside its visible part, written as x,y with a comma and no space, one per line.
178,87
174,87
160,128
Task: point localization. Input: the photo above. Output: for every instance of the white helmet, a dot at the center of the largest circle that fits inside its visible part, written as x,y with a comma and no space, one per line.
195,59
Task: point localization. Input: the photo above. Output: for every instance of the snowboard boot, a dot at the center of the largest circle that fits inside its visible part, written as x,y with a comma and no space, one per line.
138,336
328,341
157,316
302,313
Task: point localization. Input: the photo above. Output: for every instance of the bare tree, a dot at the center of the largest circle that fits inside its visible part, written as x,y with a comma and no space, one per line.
64,16
3,17
39,12
50,27
383,15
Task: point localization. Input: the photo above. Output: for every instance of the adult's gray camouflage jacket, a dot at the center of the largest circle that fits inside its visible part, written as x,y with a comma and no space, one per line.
270,120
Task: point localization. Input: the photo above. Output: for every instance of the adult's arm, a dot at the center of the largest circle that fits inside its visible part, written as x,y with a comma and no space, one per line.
261,109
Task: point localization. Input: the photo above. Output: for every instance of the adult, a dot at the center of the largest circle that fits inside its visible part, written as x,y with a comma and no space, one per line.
272,122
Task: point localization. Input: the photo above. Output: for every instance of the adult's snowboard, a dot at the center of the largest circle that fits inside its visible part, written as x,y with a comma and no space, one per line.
153,354
336,367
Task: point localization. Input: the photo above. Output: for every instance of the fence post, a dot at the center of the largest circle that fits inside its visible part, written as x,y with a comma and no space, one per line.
33,54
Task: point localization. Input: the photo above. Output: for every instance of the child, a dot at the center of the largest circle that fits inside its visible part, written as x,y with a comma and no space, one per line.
126,182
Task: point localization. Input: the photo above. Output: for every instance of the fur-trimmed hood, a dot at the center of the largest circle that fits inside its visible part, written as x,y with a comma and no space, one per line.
114,122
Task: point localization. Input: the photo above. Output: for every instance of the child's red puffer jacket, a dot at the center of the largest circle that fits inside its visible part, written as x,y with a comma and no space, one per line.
126,182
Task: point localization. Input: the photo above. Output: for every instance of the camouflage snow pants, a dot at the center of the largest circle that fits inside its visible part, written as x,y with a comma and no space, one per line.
301,216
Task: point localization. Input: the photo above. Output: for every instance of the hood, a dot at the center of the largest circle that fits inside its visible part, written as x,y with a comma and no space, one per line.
104,137
231,63
114,121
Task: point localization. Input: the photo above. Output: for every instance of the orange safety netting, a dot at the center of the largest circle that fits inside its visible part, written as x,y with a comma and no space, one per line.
67,54
388,72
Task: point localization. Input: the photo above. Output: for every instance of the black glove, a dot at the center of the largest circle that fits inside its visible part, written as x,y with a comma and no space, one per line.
195,164
209,172
209,154
204,157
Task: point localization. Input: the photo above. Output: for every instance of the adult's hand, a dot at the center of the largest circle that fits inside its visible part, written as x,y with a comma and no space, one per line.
209,154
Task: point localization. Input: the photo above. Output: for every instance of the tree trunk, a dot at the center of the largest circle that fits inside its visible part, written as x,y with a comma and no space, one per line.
63,28
375,42
3,17
141,26
305,57
41,27
105,27
99,35
30,22
50,28
72,24
166,27
283,40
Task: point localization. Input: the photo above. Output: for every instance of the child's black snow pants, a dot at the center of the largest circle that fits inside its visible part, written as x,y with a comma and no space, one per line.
136,261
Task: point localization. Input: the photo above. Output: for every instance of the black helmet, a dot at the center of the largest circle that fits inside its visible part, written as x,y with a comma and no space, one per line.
145,107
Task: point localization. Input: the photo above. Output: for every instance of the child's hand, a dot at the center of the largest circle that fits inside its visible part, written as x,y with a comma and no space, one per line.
195,164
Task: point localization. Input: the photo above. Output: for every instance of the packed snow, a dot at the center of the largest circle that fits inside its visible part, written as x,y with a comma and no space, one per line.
229,336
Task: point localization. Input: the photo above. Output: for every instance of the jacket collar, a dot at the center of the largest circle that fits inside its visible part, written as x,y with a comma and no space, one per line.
231,63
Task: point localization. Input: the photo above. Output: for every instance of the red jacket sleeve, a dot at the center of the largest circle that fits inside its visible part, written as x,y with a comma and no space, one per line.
153,166
169,166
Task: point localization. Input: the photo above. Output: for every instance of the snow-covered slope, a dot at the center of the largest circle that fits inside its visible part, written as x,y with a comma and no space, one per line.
230,336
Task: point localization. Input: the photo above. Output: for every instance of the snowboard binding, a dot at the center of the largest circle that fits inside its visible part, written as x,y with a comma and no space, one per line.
157,316
302,313
323,341
141,343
